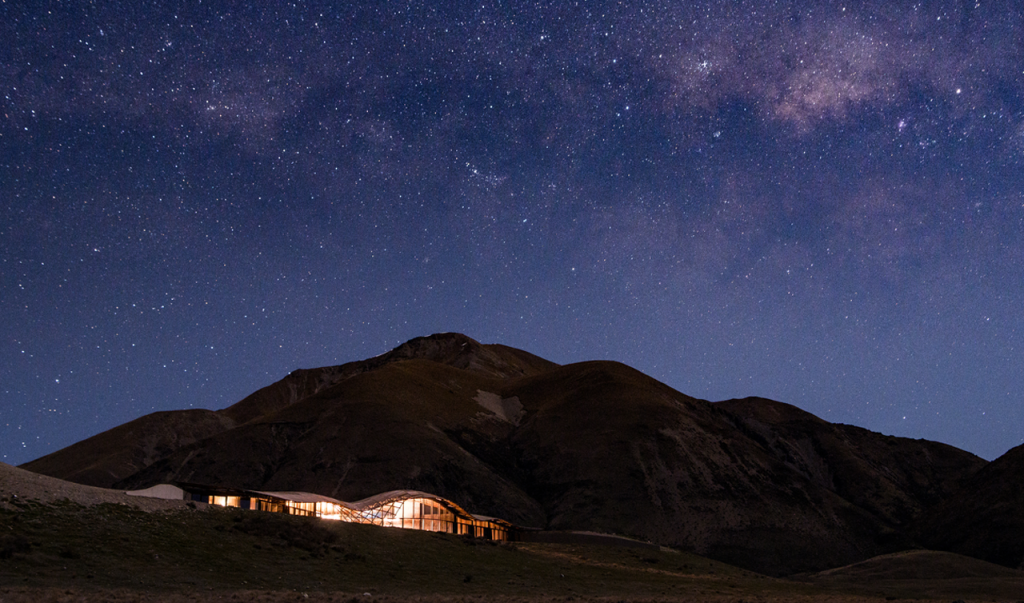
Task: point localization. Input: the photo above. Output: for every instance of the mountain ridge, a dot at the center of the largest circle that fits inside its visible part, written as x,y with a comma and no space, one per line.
594,445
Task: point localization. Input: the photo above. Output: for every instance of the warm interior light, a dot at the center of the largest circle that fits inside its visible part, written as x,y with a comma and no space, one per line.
411,513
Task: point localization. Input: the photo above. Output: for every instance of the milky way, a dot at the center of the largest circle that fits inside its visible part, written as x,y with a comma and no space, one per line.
813,202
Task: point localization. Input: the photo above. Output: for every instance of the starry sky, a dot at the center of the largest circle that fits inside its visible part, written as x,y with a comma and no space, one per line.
816,202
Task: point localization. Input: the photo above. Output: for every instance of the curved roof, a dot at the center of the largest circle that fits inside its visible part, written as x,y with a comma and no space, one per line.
360,505
379,499
303,497
395,495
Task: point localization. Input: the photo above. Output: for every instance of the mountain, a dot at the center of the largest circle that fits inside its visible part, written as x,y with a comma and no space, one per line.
110,456
589,446
985,517
894,479
113,455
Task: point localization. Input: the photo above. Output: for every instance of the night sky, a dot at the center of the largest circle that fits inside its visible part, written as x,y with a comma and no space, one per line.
815,202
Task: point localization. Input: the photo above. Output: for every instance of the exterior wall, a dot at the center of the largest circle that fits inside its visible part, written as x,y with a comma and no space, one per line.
409,513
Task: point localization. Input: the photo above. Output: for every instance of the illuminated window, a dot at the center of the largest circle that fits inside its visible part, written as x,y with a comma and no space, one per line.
225,501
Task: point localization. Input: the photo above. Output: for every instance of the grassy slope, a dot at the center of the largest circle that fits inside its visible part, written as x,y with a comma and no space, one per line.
925,574
113,546
52,552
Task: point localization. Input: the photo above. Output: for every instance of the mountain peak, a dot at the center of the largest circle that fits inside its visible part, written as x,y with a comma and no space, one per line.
452,349
460,351
439,347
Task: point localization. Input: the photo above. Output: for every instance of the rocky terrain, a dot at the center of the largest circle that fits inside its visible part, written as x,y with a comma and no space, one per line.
590,446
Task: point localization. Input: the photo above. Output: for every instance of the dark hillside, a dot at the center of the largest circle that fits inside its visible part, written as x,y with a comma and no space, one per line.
608,448
108,457
985,518
893,478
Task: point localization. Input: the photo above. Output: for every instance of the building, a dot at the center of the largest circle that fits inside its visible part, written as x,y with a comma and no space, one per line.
409,509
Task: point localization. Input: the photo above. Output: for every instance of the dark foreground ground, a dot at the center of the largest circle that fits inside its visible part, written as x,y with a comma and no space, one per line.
65,551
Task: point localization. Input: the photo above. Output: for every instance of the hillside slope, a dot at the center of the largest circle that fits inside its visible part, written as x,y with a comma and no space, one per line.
108,457
985,518
895,479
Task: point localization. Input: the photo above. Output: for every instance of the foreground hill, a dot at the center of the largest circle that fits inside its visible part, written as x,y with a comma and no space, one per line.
922,574
589,446
62,541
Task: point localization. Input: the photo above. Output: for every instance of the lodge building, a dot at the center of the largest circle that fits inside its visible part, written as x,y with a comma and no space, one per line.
409,509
